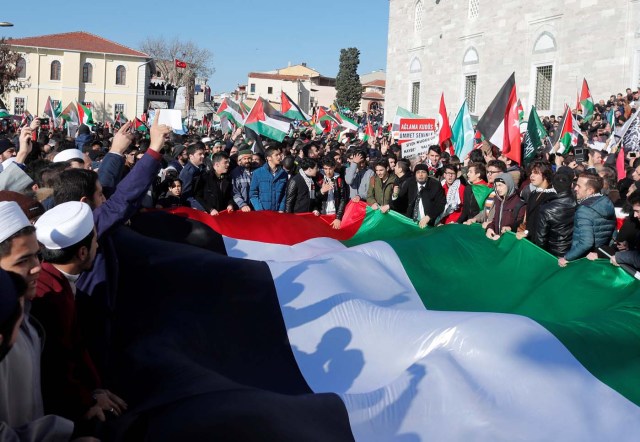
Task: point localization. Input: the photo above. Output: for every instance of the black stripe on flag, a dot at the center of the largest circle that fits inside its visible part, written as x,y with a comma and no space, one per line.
203,354
497,110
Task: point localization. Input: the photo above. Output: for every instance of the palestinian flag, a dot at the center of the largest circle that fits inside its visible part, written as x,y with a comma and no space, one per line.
444,127
139,125
85,115
568,136
500,124
51,112
245,107
4,113
586,101
368,132
70,114
290,109
232,111
520,111
121,119
347,122
265,120
373,332
325,114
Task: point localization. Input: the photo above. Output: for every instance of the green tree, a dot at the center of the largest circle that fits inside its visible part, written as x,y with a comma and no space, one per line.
348,86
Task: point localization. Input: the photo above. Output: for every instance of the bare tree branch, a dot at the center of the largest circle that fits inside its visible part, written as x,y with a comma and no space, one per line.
165,52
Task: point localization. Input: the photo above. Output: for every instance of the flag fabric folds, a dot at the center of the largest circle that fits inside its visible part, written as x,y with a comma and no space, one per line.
70,114
568,137
586,101
290,109
52,112
265,120
180,64
462,132
500,124
444,132
4,112
85,115
378,327
534,137
232,111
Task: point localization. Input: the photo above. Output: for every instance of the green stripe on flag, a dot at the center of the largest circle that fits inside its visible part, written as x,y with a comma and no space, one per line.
593,308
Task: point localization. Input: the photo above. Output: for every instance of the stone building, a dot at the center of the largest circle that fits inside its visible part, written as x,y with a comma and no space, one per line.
468,49
80,67
306,86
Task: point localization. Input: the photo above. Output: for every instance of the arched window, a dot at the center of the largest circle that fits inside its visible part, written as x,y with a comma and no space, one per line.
87,73
415,66
545,43
21,67
121,75
55,70
417,19
471,57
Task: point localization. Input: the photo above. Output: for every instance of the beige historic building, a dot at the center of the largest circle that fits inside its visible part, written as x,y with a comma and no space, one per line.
373,90
80,67
468,49
306,86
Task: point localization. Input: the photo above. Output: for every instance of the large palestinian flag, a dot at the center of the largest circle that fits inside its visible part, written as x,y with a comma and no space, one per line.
281,328
263,119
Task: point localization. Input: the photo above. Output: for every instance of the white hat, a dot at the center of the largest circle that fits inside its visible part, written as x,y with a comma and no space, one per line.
64,225
206,140
12,219
68,154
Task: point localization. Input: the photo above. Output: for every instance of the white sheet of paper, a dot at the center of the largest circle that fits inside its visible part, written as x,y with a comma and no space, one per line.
171,117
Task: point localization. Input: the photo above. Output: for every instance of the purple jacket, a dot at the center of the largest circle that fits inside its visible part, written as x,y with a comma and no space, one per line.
96,294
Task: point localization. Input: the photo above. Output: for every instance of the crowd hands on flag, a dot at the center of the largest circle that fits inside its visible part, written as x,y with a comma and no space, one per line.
572,204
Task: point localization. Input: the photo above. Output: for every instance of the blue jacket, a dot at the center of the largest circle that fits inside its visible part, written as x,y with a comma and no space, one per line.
267,191
593,226
96,288
189,176
81,139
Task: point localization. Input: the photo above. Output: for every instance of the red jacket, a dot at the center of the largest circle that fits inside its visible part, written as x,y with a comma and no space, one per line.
69,376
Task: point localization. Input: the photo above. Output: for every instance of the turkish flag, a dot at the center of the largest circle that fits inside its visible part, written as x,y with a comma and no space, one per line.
443,119
180,64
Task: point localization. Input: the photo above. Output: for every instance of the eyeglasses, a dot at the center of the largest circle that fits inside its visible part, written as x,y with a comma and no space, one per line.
491,172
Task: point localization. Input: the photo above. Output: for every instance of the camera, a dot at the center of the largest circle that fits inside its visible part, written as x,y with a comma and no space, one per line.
580,155
44,123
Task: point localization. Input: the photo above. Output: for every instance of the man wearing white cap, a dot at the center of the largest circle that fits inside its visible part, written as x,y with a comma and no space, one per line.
44,428
74,157
21,398
97,288
70,383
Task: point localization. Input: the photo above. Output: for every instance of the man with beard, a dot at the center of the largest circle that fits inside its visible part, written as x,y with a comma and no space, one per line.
425,196
241,180
70,380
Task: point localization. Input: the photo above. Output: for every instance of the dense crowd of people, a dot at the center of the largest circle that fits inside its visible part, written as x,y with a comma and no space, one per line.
61,197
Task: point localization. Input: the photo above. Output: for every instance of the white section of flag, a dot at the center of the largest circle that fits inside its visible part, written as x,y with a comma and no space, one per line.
359,329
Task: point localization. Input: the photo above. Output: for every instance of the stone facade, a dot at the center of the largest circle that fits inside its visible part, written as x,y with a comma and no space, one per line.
439,46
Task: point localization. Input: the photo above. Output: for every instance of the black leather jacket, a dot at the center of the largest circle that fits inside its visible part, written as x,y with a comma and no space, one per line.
554,226
299,199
